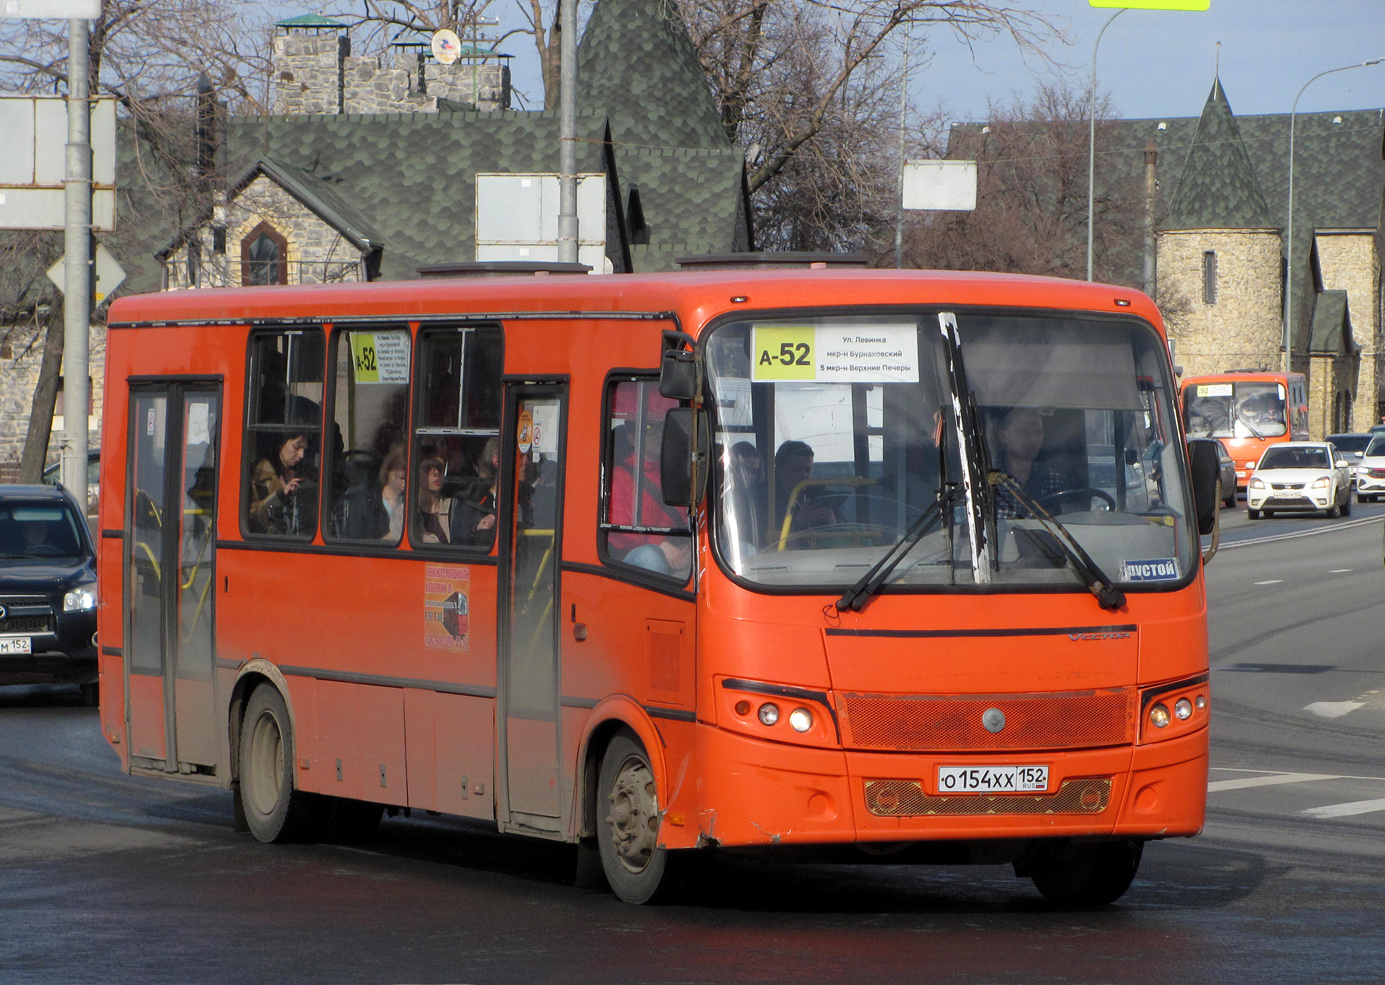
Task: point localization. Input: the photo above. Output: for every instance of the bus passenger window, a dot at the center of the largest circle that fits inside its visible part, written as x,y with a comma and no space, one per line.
370,396
457,439
638,529
284,434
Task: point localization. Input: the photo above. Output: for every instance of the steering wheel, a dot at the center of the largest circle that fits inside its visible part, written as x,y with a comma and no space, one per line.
43,550
1079,498
841,535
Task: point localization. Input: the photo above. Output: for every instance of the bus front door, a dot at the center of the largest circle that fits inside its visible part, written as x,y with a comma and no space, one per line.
529,571
170,546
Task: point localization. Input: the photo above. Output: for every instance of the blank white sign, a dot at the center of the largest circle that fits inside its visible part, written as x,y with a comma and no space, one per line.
945,186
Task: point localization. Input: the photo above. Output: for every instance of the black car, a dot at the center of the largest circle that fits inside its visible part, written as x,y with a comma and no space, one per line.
47,590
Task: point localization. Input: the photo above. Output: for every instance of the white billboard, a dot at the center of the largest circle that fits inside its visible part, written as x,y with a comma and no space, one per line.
58,10
33,168
944,186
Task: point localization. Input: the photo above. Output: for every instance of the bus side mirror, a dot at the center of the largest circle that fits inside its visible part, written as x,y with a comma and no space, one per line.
678,374
682,473
1206,470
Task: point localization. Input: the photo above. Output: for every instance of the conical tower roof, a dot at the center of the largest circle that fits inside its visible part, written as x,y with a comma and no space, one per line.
1217,188
636,63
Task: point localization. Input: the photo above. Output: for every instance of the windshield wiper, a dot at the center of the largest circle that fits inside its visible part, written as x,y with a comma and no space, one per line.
1107,595
858,595
1249,426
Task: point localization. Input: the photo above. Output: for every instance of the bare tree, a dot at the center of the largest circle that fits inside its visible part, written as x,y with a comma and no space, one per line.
1031,214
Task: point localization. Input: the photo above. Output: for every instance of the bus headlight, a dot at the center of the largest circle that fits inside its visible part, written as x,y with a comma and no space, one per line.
1159,715
1183,709
801,719
769,713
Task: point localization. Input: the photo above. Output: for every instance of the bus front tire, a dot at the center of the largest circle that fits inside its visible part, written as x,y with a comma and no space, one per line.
1082,875
627,820
274,810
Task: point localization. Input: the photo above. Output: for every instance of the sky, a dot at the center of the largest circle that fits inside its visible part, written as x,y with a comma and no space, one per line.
1156,63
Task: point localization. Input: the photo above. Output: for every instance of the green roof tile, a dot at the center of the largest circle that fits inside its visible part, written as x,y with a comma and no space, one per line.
1217,188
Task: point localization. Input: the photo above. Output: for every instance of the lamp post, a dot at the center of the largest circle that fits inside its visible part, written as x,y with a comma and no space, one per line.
1289,234
1091,144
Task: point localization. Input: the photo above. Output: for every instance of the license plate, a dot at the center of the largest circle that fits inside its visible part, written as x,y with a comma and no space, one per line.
16,644
992,779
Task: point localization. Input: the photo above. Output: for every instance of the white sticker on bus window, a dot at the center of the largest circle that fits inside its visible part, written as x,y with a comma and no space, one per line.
198,431
1158,569
1214,389
835,354
382,358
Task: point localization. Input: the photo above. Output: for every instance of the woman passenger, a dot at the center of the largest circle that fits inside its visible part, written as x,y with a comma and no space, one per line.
378,513
281,500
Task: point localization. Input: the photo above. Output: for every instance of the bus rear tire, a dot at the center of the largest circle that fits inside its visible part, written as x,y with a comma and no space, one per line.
274,810
1082,875
627,822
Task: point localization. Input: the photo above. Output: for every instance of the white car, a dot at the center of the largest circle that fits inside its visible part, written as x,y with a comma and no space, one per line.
1370,471
1299,476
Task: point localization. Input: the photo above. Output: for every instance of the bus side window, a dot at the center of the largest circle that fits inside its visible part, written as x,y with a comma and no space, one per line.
637,528
370,396
284,433
456,439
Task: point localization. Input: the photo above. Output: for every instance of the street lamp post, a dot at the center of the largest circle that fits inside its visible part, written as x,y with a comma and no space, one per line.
1091,144
1289,233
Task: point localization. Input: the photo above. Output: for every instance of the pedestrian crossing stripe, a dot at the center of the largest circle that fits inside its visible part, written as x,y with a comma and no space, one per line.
1265,779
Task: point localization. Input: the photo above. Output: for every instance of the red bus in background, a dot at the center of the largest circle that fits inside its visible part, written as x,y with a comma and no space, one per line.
1248,411
652,564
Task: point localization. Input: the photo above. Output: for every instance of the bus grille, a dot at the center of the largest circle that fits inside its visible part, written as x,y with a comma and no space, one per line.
905,798
936,723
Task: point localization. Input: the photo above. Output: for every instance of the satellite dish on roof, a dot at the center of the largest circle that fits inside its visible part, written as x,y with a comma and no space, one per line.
447,47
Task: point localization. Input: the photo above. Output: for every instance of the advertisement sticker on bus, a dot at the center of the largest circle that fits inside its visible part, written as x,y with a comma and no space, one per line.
835,354
446,614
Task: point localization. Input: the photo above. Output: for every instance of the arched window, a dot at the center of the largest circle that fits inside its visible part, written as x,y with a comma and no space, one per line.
263,257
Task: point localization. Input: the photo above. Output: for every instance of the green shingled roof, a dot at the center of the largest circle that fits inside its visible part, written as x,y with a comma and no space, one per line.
311,20
1217,188
1331,331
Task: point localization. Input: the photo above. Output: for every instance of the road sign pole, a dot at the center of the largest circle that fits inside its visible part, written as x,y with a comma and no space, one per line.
77,246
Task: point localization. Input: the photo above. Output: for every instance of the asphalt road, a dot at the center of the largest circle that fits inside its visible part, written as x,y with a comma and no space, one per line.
108,878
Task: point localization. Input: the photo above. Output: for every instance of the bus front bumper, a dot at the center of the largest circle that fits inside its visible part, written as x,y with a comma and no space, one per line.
755,793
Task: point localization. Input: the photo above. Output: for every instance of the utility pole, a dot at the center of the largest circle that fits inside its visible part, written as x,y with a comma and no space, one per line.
77,266
567,158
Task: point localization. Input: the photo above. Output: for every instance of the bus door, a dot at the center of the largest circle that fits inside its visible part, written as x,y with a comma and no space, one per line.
528,674
170,560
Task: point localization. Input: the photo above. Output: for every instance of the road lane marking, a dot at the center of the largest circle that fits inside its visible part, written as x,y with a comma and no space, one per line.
1347,810
1338,571
1272,581
1230,545
1267,781
1333,709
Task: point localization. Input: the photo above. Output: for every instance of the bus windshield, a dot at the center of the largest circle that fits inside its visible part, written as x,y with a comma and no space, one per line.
1244,409
835,434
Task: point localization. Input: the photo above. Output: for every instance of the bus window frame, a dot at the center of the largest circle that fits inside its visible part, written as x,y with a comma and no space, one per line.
423,332
250,430
925,312
336,332
615,566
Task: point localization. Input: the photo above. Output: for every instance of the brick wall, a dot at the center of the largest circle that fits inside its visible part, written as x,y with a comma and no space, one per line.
1349,263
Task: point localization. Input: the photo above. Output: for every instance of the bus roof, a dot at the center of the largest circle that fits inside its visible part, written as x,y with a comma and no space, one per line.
694,296
1243,376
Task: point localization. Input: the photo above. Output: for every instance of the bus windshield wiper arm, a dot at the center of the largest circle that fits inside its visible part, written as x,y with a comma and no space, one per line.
1249,426
869,583
1107,595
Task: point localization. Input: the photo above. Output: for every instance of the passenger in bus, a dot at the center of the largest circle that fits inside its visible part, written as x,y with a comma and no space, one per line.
656,552
376,512
435,509
793,464
283,501
473,522
1019,435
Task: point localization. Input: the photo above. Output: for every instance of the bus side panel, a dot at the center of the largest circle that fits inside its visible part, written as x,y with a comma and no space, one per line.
361,742
450,740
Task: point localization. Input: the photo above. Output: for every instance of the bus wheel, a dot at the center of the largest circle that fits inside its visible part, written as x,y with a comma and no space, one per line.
273,809
1087,875
628,824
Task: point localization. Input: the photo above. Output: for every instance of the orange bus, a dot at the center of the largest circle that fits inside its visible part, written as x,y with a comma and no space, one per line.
1249,411
856,561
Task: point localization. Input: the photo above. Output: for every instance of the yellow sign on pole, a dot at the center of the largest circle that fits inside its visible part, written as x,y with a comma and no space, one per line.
1154,4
